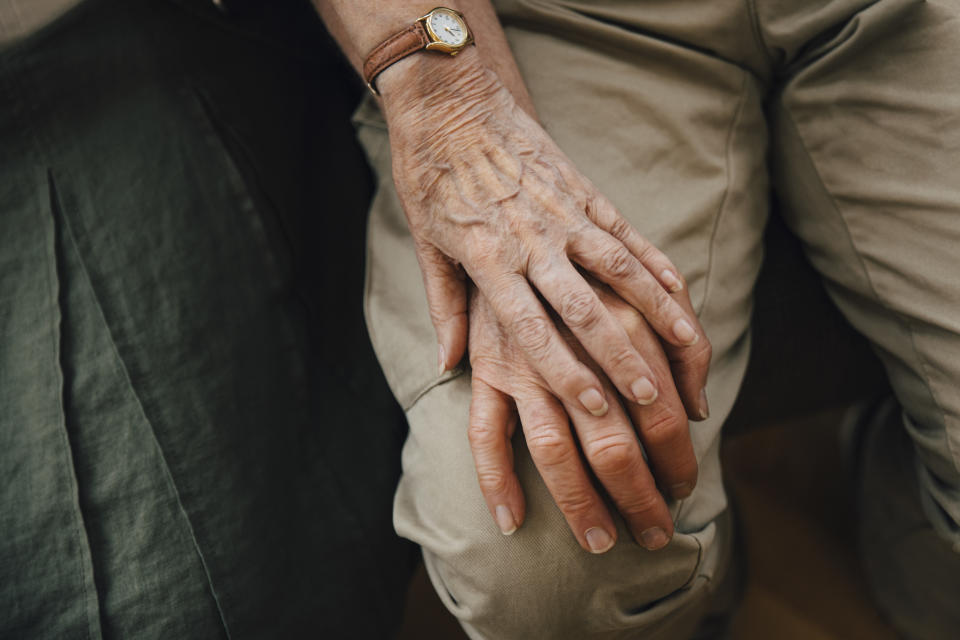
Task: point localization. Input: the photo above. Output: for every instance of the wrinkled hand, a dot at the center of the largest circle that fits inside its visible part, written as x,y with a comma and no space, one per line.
506,387
484,186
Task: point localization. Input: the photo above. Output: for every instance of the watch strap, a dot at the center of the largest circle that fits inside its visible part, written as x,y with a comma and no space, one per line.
396,47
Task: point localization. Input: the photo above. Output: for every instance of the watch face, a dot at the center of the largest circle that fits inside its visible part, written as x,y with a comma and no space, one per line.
448,27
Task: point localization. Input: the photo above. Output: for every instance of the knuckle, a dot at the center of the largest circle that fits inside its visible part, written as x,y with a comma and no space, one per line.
531,332
481,434
480,254
618,262
487,367
619,227
434,258
441,314
493,481
622,358
549,447
663,427
542,262
581,228
612,455
662,304
575,502
569,380
579,309
581,202
641,503
649,254
501,291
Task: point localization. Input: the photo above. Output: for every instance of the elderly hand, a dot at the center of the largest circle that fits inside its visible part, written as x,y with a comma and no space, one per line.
505,387
484,186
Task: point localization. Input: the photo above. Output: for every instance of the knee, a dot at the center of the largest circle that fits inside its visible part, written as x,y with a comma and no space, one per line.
539,583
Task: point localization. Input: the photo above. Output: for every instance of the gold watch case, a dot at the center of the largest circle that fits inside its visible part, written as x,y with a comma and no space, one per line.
436,42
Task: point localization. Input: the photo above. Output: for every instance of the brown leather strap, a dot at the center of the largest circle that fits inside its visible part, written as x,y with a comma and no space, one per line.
399,45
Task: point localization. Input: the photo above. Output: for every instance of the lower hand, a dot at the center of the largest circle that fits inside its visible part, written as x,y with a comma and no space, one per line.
506,387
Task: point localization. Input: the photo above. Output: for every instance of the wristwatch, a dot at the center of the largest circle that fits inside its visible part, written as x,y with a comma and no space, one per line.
442,29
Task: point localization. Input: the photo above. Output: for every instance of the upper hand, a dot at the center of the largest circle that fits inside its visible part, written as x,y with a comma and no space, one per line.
484,186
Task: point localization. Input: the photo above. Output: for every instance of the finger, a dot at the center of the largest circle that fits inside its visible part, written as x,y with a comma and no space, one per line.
611,262
611,448
519,311
691,365
604,339
665,434
555,454
447,302
602,212
492,424
662,425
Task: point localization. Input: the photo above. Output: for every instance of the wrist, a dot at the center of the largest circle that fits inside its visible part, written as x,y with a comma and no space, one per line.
426,83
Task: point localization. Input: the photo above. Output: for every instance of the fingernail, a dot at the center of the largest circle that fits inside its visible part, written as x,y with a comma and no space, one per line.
505,520
441,360
685,332
599,540
654,538
643,390
681,490
594,402
704,407
671,281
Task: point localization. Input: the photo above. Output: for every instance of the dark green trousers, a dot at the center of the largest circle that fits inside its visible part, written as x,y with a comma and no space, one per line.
195,438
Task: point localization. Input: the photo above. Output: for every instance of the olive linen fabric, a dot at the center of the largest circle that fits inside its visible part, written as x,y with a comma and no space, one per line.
195,438
686,113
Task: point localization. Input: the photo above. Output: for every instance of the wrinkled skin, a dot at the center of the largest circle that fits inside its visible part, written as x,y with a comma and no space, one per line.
489,195
506,386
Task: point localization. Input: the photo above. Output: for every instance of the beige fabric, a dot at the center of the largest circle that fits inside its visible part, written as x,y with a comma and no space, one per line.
660,103
20,18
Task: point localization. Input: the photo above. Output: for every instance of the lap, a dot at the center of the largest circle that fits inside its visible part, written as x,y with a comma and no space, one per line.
675,136
699,194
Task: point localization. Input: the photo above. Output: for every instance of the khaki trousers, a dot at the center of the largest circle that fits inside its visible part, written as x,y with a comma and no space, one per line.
685,113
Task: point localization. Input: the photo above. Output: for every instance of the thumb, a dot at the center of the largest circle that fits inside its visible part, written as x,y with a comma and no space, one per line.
445,283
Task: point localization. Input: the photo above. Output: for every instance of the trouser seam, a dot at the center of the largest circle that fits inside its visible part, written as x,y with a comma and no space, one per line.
721,209
905,323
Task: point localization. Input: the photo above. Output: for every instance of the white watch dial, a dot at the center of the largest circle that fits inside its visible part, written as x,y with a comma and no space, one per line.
448,27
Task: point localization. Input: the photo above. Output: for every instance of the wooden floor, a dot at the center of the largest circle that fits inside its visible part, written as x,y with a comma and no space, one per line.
804,581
